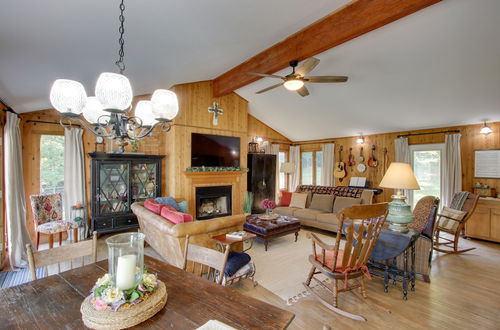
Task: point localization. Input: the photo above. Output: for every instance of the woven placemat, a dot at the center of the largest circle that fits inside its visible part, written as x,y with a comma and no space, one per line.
124,318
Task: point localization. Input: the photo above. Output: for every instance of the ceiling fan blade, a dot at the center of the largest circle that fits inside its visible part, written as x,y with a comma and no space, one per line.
268,88
326,79
265,75
307,66
303,91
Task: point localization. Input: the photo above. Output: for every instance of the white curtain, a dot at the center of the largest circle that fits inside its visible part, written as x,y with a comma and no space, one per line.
15,201
327,178
452,176
402,154
295,160
266,145
74,170
275,150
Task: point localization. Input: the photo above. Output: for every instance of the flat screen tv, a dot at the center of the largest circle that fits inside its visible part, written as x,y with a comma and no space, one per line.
214,150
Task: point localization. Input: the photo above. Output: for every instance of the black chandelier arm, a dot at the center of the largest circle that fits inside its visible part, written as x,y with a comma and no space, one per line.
166,125
91,129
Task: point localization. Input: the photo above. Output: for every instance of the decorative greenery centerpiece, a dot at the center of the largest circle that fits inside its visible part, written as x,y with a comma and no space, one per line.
216,169
105,296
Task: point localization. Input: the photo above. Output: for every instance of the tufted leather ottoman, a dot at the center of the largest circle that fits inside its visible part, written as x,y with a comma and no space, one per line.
268,229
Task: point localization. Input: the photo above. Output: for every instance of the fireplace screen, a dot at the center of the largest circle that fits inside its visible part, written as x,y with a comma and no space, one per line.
213,202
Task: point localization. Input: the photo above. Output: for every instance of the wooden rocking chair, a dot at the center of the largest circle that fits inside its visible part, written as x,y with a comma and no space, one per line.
361,225
453,225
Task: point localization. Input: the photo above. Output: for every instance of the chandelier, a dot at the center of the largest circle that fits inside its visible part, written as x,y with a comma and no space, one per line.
106,112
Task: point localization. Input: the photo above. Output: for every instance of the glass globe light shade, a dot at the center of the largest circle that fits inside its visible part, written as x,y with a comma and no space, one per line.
293,84
165,104
68,96
93,110
114,91
144,110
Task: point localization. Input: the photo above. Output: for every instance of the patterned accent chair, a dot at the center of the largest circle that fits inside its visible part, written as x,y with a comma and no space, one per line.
425,213
47,215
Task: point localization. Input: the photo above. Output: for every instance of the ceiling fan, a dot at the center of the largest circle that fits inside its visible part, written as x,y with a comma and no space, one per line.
295,81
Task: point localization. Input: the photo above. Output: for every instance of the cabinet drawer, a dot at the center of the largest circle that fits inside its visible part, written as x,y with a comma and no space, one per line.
103,224
125,222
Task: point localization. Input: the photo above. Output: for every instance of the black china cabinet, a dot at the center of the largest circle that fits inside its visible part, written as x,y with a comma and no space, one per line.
118,180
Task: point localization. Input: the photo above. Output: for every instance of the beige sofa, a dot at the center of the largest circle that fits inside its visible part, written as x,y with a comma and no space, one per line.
169,239
319,217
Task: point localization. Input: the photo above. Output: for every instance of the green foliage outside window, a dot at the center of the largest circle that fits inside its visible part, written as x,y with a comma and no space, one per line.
51,163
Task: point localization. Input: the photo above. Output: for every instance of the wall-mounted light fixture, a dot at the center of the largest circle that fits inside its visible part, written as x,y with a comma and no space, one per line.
485,130
258,139
360,140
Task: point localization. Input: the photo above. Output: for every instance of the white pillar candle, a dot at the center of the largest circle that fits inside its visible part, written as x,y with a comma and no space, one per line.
125,271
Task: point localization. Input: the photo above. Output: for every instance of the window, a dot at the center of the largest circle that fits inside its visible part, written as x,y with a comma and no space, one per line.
311,167
51,164
282,159
427,165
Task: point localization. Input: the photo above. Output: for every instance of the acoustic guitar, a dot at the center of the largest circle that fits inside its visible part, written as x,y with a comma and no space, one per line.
372,161
340,171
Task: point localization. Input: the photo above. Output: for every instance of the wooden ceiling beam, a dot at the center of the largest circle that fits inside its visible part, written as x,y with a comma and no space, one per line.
344,24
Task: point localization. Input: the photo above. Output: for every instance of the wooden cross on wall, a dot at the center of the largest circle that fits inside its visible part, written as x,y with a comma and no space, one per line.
216,111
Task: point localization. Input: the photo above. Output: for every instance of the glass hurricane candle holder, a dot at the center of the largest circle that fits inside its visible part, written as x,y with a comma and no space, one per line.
126,259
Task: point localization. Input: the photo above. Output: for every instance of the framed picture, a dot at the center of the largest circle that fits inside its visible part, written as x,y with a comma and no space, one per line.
487,164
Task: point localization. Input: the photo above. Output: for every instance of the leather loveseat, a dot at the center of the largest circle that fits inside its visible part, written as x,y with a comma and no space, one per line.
323,215
169,239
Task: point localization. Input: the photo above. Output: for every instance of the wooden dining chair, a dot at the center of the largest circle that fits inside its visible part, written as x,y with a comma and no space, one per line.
452,221
205,262
361,225
60,254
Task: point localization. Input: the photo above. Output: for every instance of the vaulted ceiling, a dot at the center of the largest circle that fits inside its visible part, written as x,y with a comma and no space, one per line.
437,67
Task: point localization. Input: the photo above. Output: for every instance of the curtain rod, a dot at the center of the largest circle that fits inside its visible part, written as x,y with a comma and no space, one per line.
48,122
428,133
306,143
8,109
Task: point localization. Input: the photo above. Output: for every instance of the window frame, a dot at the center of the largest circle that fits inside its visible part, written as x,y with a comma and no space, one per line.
314,167
428,147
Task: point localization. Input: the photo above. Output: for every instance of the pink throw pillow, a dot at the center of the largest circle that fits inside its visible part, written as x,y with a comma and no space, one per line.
153,206
175,217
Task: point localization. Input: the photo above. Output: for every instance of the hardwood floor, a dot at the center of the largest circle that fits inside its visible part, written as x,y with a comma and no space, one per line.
464,294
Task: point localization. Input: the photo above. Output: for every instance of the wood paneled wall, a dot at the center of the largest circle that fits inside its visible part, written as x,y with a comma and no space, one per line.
3,228
471,140
258,128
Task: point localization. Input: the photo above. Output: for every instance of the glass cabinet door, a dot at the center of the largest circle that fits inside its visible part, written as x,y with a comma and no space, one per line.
143,181
113,188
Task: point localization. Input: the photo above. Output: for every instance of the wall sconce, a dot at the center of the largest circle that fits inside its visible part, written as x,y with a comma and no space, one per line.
485,130
258,139
360,140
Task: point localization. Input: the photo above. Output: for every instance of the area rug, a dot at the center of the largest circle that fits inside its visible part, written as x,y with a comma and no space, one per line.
284,266
17,277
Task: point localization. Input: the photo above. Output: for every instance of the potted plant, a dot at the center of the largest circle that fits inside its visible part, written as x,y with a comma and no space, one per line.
247,203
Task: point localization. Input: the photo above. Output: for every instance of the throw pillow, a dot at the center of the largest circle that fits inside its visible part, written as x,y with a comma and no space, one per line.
322,202
449,224
175,217
183,206
286,198
235,261
170,201
299,200
153,206
344,203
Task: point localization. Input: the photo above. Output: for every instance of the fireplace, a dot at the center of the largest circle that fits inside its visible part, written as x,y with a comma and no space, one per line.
213,202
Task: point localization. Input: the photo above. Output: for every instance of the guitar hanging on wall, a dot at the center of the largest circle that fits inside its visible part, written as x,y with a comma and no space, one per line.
340,172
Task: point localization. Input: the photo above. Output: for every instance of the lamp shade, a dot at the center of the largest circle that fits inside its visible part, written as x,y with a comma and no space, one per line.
165,104
114,91
68,96
93,110
287,168
144,110
293,84
400,176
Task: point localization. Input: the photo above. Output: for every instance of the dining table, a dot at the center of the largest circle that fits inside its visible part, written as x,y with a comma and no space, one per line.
54,302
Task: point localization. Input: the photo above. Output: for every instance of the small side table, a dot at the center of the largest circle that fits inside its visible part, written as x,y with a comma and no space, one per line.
222,241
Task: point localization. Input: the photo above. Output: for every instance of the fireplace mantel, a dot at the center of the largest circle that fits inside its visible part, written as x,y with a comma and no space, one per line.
236,179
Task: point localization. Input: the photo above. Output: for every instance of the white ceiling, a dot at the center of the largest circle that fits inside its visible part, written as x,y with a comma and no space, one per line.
167,41
437,67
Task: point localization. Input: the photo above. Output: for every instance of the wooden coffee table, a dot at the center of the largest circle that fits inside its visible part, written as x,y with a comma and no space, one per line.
269,229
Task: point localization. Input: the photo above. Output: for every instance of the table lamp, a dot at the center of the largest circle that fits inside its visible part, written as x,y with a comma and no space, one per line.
287,168
399,176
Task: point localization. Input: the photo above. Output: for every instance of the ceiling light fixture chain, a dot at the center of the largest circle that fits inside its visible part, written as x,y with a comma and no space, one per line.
121,41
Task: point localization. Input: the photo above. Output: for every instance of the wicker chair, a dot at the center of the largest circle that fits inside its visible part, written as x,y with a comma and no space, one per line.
453,225
361,225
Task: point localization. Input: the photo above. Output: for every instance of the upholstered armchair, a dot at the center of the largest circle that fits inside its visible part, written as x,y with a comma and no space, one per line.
47,215
425,216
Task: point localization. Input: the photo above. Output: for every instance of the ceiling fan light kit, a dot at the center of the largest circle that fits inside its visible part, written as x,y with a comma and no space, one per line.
113,99
296,80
